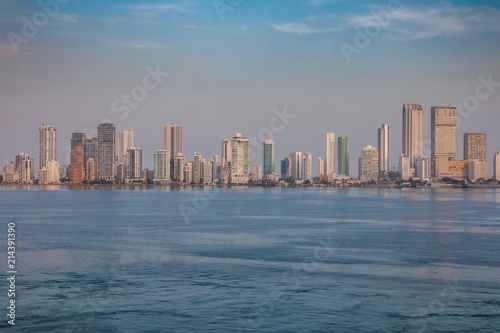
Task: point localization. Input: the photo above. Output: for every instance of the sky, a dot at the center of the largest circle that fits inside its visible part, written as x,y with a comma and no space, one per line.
218,68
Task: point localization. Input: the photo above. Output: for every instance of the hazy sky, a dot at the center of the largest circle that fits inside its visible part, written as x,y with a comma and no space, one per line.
230,66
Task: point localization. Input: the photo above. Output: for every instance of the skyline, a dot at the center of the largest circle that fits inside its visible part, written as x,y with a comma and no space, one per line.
227,76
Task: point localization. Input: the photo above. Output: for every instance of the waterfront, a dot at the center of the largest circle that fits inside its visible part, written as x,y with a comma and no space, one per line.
254,259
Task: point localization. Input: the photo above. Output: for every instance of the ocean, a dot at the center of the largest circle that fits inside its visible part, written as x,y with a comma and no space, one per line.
253,260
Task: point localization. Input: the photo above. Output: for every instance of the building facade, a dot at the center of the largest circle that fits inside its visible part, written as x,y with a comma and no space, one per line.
268,158
368,164
330,155
239,160
343,156
161,160
383,151
443,139
134,164
106,151
173,143
474,146
47,148
413,132
125,142
77,158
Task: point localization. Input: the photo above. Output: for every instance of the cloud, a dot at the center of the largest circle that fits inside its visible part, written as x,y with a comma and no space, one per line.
153,7
449,21
141,45
71,18
296,28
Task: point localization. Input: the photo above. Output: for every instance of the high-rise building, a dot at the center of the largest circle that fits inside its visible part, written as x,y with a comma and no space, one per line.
125,142
285,166
330,155
188,173
307,167
368,164
197,168
207,174
297,165
474,146
496,166
8,166
257,170
90,151
383,151
478,169
179,163
134,164
162,165
404,167
216,167
25,166
173,143
443,139
77,167
268,158
423,168
321,167
226,156
47,145
343,147
413,132
106,151
90,170
239,159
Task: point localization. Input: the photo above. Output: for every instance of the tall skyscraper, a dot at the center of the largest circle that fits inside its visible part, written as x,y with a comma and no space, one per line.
307,167
179,164
297,165
343,147
321,167
173,143
77,167
239,159
330,154
226,156
161,165
207,172
90,151
383,151
368,164
197,168
25,166
413,132
496,166
443,139
268,158
47,145
125,142
90,170
474,146
285,166
106,151
134,163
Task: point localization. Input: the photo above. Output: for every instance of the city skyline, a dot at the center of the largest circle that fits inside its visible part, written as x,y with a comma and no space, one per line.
229,75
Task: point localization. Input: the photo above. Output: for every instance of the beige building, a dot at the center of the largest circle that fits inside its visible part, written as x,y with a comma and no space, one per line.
474,146
11,177
443,138
413,132
90,174
478,169
368,164
496,166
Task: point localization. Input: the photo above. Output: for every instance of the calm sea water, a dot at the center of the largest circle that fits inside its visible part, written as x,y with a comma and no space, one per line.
254,260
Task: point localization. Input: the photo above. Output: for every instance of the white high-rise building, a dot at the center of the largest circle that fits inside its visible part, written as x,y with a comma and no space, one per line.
413,132
134,162
383,151
330,155
321,167
47,149
404,167
239,160
368,164
297,165
207,176
423,168
496,166
307,166
226,157
125,142
161,171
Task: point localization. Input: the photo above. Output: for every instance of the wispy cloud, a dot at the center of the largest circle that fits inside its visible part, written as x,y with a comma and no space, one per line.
165,7
296,28
141,45
71,18
449,21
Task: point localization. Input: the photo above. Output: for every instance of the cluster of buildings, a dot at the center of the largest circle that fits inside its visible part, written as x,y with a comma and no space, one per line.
96,160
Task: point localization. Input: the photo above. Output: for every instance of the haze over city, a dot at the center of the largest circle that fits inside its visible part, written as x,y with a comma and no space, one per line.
229,68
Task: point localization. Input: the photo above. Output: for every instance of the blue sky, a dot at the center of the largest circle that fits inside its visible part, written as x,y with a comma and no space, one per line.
227,75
